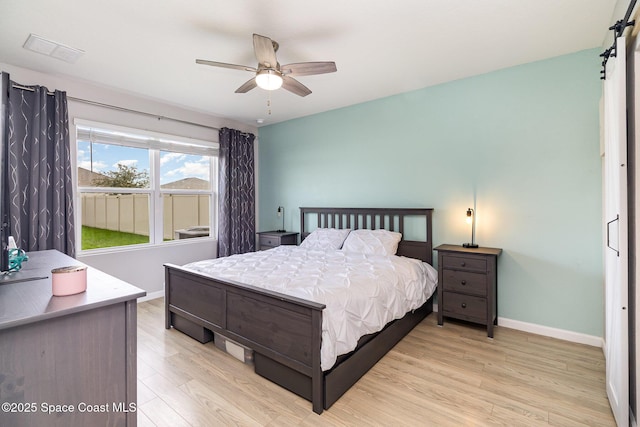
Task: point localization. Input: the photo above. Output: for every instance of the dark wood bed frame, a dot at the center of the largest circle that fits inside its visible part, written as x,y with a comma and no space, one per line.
284,332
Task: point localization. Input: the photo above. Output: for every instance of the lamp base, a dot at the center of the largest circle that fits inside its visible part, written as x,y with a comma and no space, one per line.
469,245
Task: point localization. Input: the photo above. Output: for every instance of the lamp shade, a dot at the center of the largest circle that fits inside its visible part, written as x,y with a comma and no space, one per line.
269,79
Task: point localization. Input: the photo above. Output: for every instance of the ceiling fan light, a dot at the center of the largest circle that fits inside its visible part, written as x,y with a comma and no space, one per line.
269,79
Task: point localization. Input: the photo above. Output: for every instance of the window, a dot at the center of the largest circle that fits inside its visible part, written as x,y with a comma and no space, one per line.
137,187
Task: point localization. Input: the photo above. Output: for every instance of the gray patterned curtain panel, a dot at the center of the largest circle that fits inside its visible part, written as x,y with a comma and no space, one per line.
40,186
236,188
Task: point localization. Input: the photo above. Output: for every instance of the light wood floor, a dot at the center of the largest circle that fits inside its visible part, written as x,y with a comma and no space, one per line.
449,376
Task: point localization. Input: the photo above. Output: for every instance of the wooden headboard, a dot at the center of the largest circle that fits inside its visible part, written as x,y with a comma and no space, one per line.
392,219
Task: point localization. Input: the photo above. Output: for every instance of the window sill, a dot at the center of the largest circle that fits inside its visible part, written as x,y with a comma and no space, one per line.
145,246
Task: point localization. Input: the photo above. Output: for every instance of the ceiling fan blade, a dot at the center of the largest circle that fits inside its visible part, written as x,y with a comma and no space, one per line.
225,65
294,86
247,86
309,68
265,53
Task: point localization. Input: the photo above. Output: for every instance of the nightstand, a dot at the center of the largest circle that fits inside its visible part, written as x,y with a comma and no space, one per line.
271,239
468,284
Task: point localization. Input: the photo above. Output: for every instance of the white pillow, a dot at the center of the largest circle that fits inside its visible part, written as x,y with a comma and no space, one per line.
325,239
372,242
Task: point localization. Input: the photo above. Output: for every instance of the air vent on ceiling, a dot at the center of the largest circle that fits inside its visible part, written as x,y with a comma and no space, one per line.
56,50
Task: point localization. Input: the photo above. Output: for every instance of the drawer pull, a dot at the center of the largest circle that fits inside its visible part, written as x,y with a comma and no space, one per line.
269,241
462,264
464,282
464,305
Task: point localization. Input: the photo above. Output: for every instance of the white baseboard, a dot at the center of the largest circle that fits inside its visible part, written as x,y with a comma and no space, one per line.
150,296
547,331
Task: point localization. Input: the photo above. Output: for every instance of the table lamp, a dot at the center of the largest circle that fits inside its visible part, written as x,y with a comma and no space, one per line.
471,218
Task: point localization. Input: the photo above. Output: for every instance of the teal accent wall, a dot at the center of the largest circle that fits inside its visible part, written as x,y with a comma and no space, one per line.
520,144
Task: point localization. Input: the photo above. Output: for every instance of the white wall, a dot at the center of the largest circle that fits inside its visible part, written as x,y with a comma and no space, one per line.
141,267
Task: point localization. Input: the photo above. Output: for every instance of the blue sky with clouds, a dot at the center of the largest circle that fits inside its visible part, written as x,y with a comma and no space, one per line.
173,166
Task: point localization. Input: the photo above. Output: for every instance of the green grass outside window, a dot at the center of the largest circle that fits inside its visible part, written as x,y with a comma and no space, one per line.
94,238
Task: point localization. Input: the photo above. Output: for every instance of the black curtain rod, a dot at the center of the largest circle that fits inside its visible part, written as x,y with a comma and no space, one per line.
114,107
618,29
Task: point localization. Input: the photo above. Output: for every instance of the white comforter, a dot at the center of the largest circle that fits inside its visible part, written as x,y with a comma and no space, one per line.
362,293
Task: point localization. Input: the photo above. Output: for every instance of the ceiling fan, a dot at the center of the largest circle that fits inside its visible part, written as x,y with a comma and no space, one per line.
270,75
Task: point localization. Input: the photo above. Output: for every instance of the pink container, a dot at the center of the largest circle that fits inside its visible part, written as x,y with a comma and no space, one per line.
68,280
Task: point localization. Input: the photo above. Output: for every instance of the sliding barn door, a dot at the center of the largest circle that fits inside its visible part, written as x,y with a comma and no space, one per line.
616,251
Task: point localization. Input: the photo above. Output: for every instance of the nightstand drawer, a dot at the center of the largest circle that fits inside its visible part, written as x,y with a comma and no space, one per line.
468,263
465,281
465,307
270,241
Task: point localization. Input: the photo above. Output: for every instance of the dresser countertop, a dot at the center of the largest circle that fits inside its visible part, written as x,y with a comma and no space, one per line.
26,297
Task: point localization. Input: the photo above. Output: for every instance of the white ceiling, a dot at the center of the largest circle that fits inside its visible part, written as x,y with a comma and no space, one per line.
381,47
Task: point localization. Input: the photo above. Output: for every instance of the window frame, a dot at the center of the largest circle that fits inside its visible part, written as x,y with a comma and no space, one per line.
157,143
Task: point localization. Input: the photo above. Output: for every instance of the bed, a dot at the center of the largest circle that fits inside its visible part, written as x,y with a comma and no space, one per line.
285,331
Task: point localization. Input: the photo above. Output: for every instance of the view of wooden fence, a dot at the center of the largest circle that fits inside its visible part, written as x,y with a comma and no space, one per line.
130,212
